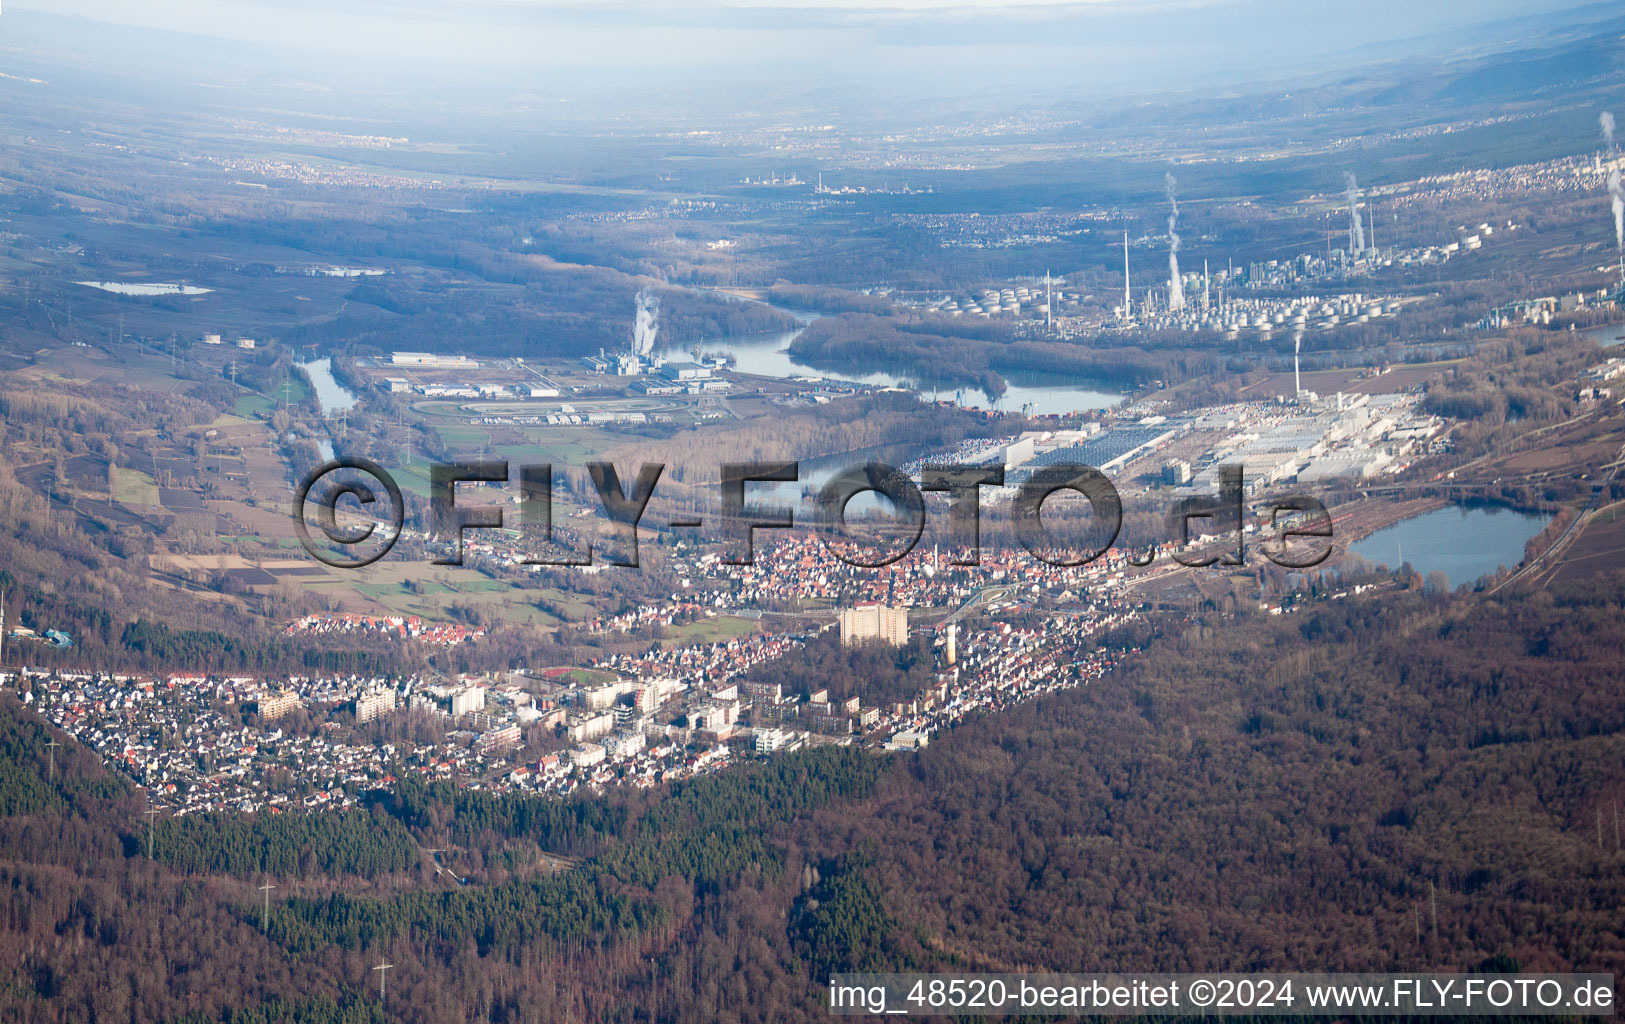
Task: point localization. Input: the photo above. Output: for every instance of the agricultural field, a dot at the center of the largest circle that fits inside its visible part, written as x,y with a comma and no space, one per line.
1600,549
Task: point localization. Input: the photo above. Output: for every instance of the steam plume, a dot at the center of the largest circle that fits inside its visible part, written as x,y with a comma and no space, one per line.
1617,196
1176,289
647,325
1297,375
1606,119
1356,228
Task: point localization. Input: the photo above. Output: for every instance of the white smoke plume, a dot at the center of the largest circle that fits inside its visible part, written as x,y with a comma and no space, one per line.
1356,227
1297,376
647,324
1616,195
1176,288
1606,119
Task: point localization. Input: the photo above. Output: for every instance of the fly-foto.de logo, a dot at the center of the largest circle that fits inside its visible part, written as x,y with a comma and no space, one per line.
1299,525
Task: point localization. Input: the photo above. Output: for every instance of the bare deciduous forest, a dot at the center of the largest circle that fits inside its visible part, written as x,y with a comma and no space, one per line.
1251,793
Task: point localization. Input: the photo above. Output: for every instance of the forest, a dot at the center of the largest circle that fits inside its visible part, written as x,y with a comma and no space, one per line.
943,351
526,306
878,674
1248,793
343,843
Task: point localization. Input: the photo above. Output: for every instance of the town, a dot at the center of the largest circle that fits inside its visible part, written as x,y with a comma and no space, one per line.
201,742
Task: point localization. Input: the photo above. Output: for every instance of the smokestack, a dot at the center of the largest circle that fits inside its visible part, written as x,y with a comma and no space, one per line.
953,653
1204,283
1049,299
1371,215
1176,289
1356,227
1128,299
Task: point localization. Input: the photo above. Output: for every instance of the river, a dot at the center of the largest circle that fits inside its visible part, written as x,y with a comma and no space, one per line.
331,396
768,356
1608,335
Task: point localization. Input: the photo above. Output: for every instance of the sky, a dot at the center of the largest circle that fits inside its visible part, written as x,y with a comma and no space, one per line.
1093,45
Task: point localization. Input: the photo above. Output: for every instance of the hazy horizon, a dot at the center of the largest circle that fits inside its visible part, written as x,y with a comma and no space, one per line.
961,52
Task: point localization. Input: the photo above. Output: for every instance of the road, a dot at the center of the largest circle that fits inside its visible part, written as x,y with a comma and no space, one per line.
983,595
1569,534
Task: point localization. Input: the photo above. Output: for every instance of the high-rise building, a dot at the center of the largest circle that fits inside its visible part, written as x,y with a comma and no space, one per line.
273,706
625,744
870,622
647,699
590,726
471,698
493,740
373,705
425,702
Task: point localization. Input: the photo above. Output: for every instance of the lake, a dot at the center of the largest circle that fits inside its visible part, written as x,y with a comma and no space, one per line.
767,356
1463,542
121,288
